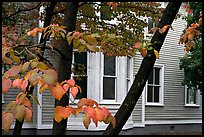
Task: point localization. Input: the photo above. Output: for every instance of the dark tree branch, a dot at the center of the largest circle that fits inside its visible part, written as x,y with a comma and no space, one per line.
141,77
22,10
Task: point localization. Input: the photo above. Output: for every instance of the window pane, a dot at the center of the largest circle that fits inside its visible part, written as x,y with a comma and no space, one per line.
109,66
150,79
150,25
108,88
157,73
156,94
149,93
81,58
82,82
191,96
105,12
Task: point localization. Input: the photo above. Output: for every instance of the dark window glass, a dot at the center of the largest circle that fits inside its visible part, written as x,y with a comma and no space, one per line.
150,25
149,94
105,11
81,58
109,66
157,72
150,79
108,88
82,82
156,94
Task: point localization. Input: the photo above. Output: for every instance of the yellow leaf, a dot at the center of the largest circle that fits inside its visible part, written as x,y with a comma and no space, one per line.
156,53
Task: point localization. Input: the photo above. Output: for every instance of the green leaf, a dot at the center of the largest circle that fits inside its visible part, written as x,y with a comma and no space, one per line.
19,112
35,99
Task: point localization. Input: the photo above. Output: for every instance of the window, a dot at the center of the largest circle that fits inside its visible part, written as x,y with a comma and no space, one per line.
150,25
154,88
80,72
109,78
191,97
105,11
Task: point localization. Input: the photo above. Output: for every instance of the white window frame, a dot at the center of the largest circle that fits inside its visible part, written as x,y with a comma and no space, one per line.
107,101
129,80
197,104
161,92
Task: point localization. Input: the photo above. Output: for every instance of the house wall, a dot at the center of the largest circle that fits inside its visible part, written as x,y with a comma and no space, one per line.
173,110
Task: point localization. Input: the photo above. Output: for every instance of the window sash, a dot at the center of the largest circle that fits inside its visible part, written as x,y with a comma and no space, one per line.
156,97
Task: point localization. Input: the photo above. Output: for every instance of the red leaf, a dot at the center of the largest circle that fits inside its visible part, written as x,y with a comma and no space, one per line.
13,71
7,120
137,45
6,84
99,114
89,111
71,82
143,52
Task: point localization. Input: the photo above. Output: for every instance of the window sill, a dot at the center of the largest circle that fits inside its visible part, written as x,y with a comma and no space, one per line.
154,104
191,105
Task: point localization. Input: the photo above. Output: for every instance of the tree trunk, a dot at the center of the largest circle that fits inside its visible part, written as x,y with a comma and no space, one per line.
64,70
18,125
141,77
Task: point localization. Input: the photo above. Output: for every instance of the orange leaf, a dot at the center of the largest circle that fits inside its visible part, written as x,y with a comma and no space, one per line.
74,91
190,36
6,84
76,111
65,112
164,28
86,121
24,85
20,97
7,120
26,102
43,87
66,87
82,102
28,114
143,52
57,115
57,92
17,83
